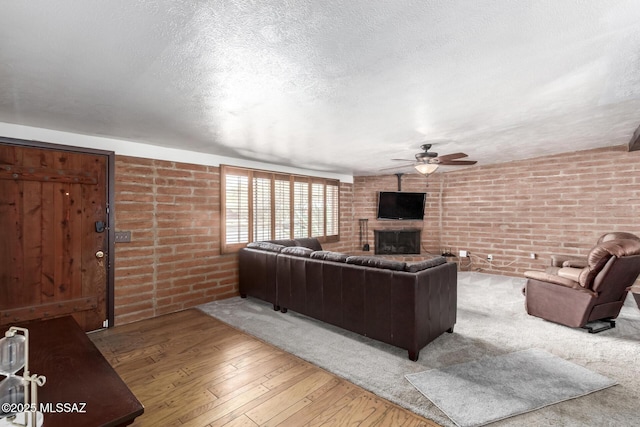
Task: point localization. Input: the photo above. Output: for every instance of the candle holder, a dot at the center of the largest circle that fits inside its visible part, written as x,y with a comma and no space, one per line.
18,393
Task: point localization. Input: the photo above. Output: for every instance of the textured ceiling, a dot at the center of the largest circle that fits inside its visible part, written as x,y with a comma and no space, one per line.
334,85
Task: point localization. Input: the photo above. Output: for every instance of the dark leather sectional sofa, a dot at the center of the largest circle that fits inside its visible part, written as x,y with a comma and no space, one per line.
405,305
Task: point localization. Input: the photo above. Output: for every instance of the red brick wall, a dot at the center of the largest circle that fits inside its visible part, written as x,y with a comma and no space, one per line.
173,261
365,202
347,225
555,204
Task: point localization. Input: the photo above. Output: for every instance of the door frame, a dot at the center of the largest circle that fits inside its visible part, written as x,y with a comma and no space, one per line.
110,181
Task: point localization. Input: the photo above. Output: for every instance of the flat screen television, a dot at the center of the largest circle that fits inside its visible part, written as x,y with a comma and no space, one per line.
401,205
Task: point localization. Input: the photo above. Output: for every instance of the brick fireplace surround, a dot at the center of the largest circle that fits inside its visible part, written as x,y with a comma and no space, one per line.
553,204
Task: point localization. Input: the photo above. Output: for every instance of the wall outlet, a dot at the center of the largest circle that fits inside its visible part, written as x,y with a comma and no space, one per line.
489,257
532,255
464,254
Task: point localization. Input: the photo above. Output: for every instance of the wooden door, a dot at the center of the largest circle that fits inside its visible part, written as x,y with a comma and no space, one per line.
53,222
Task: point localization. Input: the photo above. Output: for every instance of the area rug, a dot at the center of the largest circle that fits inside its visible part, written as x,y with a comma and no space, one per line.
494,388
491,322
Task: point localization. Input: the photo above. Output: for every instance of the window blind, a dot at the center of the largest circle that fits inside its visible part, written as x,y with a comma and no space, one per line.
282,207
237,209
317,210
300,209
261,209
261,205
332,210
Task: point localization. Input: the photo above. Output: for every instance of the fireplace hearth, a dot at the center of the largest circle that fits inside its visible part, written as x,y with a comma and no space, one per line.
395,242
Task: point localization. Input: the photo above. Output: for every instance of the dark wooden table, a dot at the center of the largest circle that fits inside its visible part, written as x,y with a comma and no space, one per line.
77,373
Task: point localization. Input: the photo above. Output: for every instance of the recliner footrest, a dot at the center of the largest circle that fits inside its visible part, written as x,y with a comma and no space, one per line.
609,324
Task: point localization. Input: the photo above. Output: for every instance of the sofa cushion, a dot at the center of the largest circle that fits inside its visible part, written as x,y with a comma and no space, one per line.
575,263
570,273
369,261
266,246
310,242
427,263
330,256
297,251
283,242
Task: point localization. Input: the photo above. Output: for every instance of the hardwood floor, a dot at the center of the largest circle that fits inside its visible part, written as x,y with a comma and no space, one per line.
190,369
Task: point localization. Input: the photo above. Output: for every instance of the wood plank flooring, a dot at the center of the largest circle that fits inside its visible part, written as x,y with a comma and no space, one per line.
190,369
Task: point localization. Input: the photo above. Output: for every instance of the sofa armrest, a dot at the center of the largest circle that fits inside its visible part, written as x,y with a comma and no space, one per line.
542,276
570,273
257,274
568,261
551,278
575,263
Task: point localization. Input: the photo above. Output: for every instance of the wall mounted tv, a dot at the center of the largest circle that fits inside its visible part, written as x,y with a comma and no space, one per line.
401,205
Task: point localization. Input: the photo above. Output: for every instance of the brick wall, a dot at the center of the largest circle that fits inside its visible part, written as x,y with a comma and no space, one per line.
365,200
555,204
173,261
347,226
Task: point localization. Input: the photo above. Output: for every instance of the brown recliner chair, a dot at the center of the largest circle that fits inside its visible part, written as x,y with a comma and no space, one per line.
560,261
583,291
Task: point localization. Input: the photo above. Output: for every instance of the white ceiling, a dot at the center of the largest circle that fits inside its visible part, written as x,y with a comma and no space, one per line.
333,85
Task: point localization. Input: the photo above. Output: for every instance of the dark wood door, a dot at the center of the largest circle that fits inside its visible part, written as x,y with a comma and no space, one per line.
53,221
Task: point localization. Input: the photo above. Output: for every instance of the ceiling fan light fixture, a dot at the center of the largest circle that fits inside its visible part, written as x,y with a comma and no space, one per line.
426,168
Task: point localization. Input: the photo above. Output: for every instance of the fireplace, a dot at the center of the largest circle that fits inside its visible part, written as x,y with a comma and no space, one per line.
394,242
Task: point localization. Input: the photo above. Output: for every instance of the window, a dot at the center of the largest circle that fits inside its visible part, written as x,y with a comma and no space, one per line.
259,205
282,201
300,209
333,216
317,211
236,209
261,209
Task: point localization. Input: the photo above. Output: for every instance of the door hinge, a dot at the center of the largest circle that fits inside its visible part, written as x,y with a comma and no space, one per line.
105,324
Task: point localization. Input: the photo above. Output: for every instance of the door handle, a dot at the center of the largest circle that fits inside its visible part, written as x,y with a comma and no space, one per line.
99,254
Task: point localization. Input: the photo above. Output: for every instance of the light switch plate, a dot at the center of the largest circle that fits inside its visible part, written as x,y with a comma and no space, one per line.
123,236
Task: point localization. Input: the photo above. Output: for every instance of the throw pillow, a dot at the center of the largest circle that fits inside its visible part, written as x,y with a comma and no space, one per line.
368,261
265,246
427,263
330,256
309,242
297,251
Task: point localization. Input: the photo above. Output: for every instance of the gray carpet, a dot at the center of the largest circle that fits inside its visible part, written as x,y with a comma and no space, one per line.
494,388
491,322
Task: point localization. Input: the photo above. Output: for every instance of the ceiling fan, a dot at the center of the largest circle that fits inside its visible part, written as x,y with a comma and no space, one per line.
427,161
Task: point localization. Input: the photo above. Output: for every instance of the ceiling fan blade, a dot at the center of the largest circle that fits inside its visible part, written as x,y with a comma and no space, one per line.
453,156
398,167
459,162
403,160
